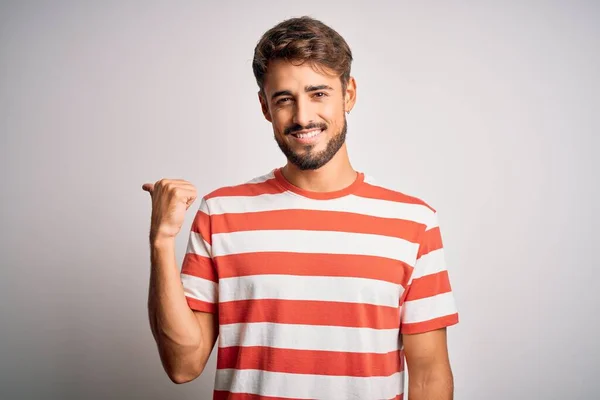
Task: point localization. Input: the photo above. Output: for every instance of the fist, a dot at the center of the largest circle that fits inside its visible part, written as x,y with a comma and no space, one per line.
170,200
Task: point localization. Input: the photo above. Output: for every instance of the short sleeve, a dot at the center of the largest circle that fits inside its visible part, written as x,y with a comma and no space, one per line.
429,302
198,272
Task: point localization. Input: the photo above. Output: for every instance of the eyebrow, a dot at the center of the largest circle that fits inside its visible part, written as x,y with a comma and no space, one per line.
307,89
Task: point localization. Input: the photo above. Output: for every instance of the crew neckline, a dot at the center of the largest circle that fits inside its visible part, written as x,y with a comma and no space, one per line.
282,181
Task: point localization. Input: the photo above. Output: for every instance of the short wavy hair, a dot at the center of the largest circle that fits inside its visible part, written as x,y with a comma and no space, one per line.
300,40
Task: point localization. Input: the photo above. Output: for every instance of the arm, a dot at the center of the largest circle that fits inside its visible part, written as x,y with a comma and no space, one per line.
430,376
428,308
185,338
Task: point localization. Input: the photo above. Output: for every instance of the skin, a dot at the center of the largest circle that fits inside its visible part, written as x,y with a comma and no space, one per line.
289,107
430,374
291,102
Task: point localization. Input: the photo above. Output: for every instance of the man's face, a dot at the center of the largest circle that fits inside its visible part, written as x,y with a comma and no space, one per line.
306,109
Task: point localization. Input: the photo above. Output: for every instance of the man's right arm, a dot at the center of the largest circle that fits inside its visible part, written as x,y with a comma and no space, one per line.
185,338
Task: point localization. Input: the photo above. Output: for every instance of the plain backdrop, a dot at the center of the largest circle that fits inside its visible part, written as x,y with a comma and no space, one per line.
487,110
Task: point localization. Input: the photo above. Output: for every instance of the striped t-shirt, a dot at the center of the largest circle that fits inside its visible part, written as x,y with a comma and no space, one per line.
313,289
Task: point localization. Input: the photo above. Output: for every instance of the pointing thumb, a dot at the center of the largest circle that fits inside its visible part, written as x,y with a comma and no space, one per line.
148,187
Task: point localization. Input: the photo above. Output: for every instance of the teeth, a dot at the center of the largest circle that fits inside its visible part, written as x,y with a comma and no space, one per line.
308,135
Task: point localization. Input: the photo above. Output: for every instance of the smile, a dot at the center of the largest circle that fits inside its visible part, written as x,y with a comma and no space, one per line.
307,135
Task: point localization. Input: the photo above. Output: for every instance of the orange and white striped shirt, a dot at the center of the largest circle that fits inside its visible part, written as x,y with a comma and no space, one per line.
313,290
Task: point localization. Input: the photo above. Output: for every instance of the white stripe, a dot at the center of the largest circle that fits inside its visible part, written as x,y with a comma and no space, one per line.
351,203
203,206
429,308
199,288
309,337
433,222
327,242
429,264
261,179
320,288
197,245
307,386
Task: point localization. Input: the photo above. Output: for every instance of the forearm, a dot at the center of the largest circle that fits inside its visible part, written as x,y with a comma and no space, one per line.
434,386
173,324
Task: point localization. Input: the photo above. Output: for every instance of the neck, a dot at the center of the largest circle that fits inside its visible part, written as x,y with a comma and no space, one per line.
337,174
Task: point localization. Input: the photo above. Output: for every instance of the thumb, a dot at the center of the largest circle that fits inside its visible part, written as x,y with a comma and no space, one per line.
148,187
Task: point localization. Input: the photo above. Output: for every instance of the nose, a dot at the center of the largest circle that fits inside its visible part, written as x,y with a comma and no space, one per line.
302,112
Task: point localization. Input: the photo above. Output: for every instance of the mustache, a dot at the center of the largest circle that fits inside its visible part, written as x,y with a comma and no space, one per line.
296,128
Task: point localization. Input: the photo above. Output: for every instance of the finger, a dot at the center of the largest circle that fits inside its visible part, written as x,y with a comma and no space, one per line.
190,200
186,186
178,181
174,183
148,187
189,196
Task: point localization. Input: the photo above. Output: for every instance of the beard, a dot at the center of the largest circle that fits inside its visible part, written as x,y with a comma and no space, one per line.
309,160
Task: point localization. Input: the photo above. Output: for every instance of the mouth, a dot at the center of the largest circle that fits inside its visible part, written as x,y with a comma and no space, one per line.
308,137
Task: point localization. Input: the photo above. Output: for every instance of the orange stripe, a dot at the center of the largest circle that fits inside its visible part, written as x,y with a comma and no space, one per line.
309,313
201,225
196,265
314,362
247,189
381,193
199,305
360,266
429,285
432,240
317,220
432,324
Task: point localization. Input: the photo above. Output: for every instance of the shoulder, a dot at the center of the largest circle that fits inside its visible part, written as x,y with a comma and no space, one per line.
377,189
397,203
256,186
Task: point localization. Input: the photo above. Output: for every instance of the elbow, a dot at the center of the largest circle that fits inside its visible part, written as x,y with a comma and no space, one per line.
432,381
184,376
181,378
182,363
180,370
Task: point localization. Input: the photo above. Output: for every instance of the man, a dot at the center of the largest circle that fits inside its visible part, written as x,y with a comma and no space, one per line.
318,282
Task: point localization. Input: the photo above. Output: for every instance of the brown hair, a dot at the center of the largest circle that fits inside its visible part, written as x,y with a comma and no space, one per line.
300,40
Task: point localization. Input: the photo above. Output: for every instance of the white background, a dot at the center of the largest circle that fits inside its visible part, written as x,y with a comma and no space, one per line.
489,111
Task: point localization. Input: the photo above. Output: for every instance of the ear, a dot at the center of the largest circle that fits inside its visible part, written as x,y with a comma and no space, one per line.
350,96
264,107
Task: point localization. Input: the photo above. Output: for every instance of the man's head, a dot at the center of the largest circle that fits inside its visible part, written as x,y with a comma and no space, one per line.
302,68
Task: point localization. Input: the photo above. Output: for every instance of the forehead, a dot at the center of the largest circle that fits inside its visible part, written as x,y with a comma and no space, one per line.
284,75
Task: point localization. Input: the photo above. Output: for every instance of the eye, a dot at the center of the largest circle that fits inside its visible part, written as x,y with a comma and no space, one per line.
320,93
282,100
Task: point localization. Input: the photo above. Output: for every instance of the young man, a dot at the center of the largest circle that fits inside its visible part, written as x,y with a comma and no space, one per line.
318,282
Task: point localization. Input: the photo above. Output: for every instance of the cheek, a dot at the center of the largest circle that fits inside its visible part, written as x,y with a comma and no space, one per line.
332,113
281,121
278,129
330,109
